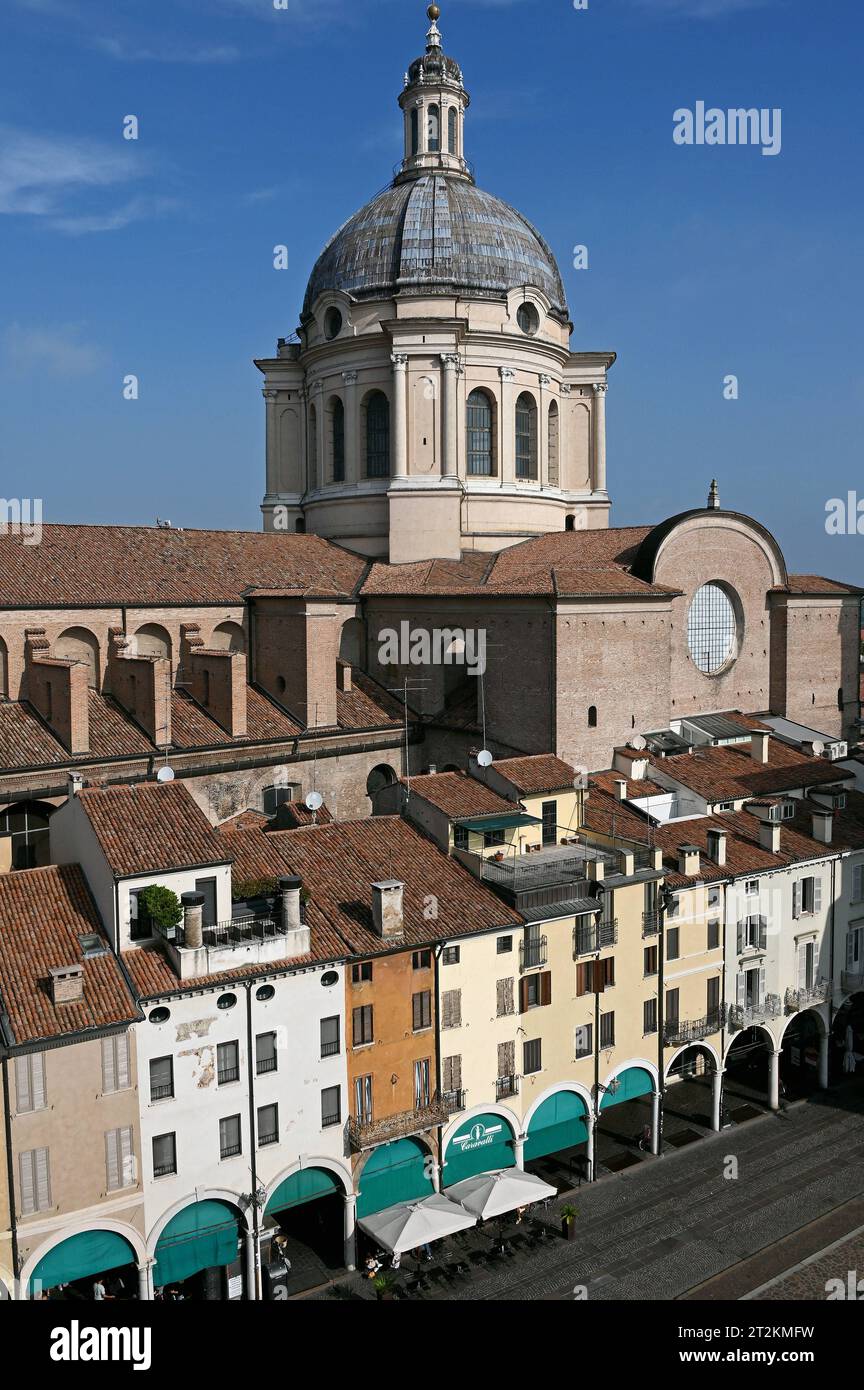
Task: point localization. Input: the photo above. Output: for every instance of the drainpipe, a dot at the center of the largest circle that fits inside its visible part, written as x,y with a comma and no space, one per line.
592,1165
665,897
255,1292
10,1170
437,1172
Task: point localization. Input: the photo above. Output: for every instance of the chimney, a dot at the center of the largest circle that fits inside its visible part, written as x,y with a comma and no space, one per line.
717,846
759,745
769,836
289,888
143,686
388,913
823,826
59,690
193,920
67,984
74,783
689,860
620,788
343,677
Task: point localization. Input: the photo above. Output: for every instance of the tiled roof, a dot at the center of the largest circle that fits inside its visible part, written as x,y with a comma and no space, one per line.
43,915
563,563
338,864
193,727
294,814
818,584
457,794
154,977
730,773
26,742
152,827
151,566
244,820
367,705
540,773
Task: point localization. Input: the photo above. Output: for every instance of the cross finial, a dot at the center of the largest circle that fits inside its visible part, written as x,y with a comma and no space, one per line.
714,496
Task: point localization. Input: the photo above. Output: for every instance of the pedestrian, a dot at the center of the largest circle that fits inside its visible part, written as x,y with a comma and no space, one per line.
396,1260
100,1293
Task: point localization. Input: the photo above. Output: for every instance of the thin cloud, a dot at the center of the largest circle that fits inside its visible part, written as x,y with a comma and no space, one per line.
700,9
125,53
136,210
59,351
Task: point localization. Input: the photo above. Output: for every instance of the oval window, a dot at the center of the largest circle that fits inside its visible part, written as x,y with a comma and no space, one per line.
159,1015
330,977
226,1001
528,319
332,323
712,629
264,993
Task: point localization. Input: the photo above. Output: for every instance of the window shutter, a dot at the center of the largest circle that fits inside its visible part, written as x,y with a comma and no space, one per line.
523,997
741,989
43,1179
546,987
23,1088
122,1055
742,929
452,1009
817,894
127,1158
27,1173
109,1071
452,1073
506,1058
763,932
762,984
796,899
113,1165
802,967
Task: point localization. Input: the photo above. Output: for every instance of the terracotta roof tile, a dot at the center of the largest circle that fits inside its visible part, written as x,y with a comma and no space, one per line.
151,827
730,773
43,915
457,794
818,584
542,772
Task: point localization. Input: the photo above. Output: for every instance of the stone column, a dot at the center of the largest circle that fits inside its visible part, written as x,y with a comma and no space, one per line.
600,437
352,427
716,1099
823,1060
507,427
543,431
450,428
436,1176
655,1122
590,1121
774,1081
251,1267
321,460
400,415
349,1230
145,1282
274,481
519,1150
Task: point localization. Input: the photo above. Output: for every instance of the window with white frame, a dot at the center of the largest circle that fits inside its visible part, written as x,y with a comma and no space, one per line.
753,933
855,950
30,1092
807,897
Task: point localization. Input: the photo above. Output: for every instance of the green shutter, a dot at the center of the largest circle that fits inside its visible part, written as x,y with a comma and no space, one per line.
559,1123
393,1173
634,1082
306,1185
89,1252
481,1145
201,1236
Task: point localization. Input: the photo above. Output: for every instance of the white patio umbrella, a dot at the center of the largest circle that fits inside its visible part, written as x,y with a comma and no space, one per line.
494,1194
410,1224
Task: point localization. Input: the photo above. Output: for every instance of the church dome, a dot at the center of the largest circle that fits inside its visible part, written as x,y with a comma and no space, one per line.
436,233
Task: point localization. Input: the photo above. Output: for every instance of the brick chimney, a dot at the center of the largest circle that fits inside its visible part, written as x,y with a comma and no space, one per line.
58,690
67,984
295,649
344,680
387,909
143,686
717,840
215,679
759,745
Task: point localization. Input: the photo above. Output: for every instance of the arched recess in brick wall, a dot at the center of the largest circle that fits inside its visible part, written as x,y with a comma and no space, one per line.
228,637
79,644
153,640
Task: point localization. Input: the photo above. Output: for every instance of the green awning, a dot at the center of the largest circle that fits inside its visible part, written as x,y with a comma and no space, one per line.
306,1185
201,1236
82,1255
559,1123
482,824
394,1173
481,1145
634,1082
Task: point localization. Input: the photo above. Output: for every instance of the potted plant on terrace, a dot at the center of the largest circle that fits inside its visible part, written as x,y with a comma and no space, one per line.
161,908
385,1287
568,1221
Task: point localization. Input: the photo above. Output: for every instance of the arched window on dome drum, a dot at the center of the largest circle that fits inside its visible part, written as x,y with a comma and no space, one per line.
481,460
554,437
415,131
434,129
338,441
377,436
312,464
526,437
452,131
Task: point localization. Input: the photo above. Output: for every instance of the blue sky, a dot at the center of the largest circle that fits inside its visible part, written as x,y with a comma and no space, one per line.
259,127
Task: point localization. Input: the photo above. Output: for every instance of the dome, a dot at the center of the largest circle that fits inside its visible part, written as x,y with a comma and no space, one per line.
440,234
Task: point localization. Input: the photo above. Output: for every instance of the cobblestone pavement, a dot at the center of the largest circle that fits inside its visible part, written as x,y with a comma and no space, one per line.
660,1229
813,1279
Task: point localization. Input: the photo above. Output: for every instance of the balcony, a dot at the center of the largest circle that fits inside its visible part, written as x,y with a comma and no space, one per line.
851,981
555,873
244,940
533,953
676,1030
798,999
587,940
650,923
363,1134
453,1101
506,1086
746,1016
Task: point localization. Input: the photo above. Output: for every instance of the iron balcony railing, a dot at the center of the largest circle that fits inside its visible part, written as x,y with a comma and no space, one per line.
744,1016
506,1086
587,940
798,999
650,923
533,953
240,931
228,1074
231,1150
265,1064
678,1030
363,1134
162,1092
453,1100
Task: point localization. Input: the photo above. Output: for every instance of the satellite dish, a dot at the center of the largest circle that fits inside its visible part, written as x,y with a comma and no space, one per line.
638,743
818,748
484,758
165,774
314,801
